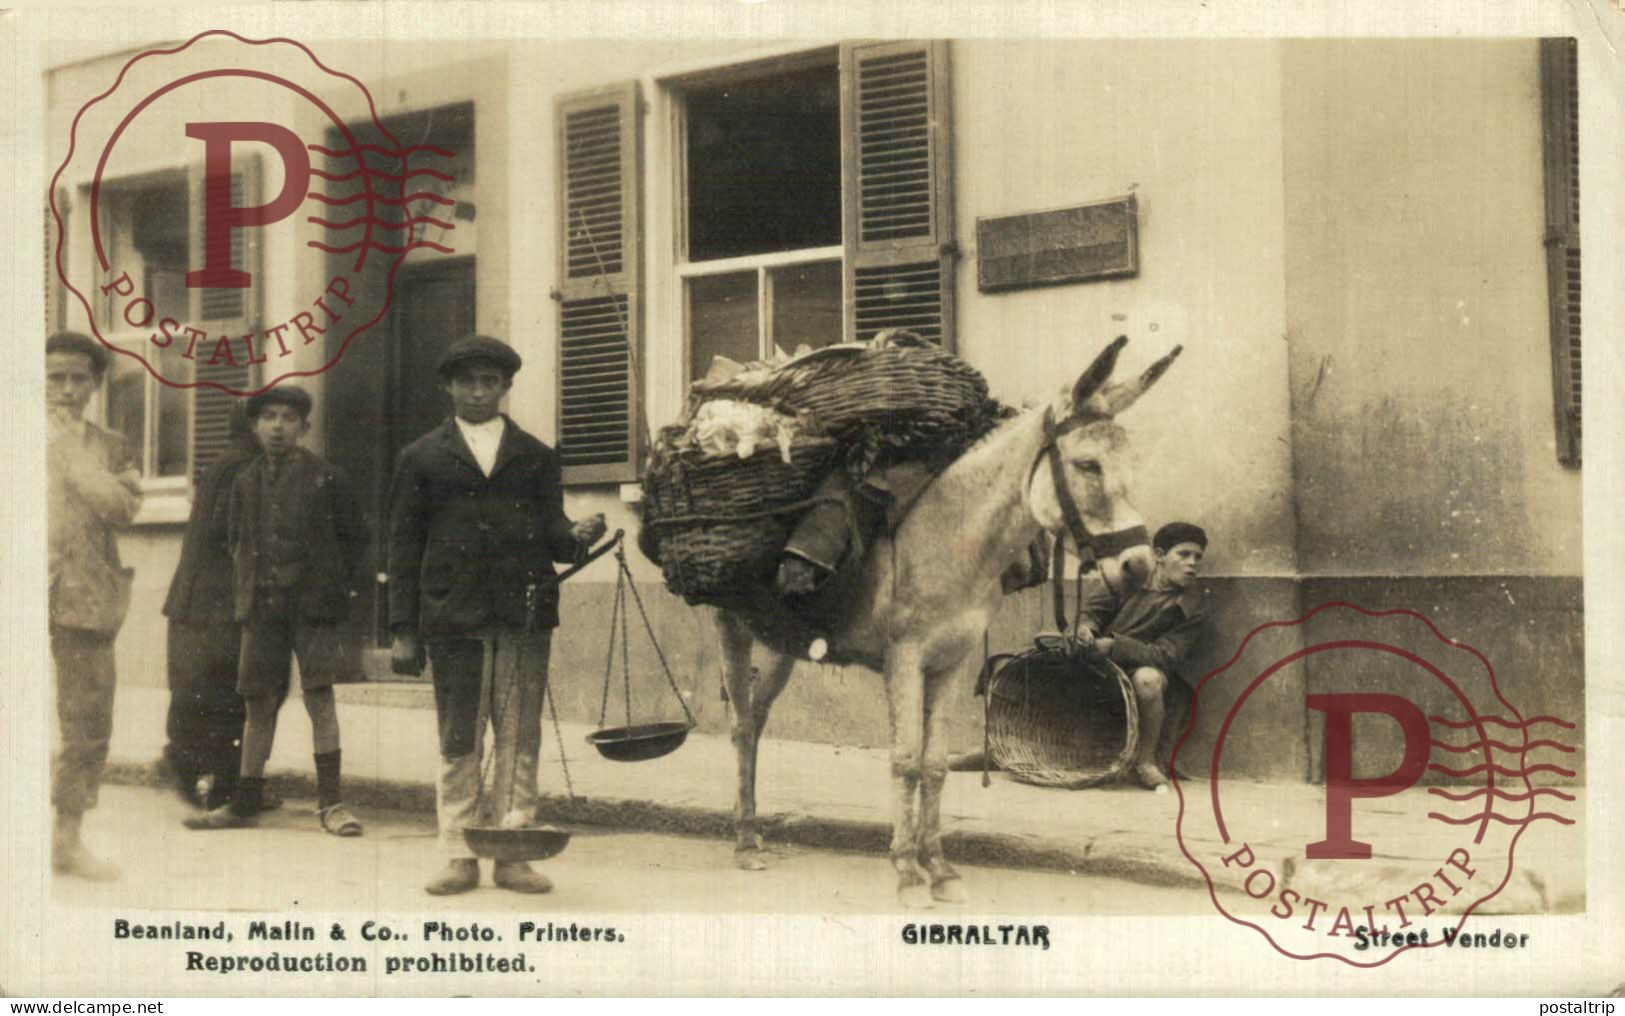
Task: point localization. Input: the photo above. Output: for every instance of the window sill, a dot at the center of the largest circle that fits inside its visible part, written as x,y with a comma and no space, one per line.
170,508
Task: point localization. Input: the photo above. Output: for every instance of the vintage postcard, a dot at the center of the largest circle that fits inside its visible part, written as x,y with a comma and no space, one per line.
764,499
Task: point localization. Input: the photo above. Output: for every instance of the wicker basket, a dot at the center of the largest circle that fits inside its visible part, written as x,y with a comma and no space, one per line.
1056,720
718,523
921,387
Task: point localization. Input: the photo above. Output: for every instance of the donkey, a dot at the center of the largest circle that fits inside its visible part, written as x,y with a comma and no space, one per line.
928,590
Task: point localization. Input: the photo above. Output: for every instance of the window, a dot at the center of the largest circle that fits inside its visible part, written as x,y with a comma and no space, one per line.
146,225
1560,115
812,206
152,229
761,186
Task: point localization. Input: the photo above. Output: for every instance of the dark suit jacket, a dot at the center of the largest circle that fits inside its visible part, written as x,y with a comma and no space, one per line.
202,590
322,510
467,551
1148,628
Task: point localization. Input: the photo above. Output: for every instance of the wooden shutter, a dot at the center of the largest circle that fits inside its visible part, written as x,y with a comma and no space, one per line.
1560,114
233,312
599,284
896,171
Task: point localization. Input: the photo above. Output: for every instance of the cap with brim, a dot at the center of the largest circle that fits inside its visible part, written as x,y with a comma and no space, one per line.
1175,533
479,348
281,395
79,342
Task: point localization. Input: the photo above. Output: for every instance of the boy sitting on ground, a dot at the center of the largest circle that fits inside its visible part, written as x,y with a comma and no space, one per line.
297,538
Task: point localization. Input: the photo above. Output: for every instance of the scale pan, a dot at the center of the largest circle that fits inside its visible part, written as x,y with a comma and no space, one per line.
530,843
641,741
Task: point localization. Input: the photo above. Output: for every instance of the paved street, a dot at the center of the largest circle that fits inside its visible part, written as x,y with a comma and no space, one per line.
287,864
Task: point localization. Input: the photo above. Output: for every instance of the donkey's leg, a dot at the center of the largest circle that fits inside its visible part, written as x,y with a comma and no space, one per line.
765,689
905,694
751,701
945,882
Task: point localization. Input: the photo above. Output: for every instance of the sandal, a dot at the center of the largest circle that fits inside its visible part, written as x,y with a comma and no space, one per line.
337,820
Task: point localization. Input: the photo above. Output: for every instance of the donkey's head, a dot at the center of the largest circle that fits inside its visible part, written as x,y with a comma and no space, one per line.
1080,481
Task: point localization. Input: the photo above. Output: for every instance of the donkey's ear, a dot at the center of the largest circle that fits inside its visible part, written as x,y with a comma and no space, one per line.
1118,397
1090,380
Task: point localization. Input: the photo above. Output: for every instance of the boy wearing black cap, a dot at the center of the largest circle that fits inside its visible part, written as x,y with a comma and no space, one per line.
93,488
1151,632
476,520
297,539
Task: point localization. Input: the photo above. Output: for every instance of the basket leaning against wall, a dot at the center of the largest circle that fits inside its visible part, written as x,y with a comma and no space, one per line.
1058,719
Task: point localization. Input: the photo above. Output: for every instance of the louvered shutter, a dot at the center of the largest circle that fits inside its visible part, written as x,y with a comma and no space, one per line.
1560,87
898,197
233,312
599,289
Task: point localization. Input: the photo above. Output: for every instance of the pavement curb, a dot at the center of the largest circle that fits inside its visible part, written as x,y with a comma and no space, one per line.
1130,861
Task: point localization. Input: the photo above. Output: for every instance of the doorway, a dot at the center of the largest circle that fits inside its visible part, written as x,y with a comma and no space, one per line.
385,395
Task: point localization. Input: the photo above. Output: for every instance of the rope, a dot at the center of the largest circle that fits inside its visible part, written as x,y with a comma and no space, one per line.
609,657
637,599
626,646
558,737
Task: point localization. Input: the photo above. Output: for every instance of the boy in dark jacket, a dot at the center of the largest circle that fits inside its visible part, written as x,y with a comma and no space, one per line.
297,539
476,520
1151,632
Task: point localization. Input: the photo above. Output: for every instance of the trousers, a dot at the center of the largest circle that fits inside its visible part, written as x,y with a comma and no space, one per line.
496,677
85,681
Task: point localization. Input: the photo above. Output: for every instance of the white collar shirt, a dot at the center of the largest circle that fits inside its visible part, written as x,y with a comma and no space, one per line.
483,440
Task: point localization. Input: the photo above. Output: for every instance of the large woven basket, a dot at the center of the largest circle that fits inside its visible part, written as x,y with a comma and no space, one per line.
1057,720
718,524
921,387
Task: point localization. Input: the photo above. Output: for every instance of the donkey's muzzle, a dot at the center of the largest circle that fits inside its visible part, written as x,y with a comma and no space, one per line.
1134,566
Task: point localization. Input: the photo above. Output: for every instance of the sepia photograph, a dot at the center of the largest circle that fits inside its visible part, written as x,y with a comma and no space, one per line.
521,506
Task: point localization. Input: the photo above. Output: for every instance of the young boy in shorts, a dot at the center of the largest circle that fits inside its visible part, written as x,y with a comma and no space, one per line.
297,539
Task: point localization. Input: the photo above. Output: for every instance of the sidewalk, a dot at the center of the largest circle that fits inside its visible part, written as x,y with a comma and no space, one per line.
837,797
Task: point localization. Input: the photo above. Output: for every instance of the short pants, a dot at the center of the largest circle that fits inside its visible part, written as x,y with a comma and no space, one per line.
276,633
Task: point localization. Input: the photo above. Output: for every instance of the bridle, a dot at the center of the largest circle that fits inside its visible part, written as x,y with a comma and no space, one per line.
1091,546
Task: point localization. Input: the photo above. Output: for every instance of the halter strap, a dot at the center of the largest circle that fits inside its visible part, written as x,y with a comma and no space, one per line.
1091,546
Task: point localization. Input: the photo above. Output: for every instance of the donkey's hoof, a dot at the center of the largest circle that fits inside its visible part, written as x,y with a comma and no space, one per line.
750,860
950,890
916,896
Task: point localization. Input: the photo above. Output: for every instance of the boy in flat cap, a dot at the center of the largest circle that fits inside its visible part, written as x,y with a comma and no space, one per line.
1151,633
93,488
297,540
476,522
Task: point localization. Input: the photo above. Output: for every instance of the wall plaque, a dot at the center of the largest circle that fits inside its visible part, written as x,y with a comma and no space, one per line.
1098,241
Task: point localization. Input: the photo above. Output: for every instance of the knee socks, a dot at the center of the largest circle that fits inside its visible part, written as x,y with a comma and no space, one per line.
327,779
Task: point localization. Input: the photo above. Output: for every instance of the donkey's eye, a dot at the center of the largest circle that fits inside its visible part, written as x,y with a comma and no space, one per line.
1089,466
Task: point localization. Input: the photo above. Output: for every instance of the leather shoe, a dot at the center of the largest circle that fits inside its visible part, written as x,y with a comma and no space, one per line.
219,818
459,876
518,876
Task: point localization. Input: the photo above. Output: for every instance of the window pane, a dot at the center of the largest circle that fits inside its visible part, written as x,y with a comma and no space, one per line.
147,229
174,412
806,306
722,320
764,165
126,405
